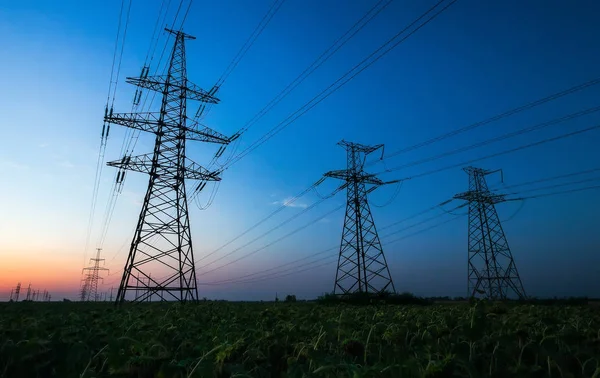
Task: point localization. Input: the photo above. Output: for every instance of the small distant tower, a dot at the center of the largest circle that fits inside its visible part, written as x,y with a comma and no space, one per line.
17,291
362,266
90,291
492,272
28,297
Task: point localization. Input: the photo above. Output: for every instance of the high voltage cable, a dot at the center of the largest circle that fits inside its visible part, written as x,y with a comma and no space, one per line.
333,258
121,54
278,226
554,186
102,149
250,41
277,267
242,279
341,81
321,59
494,118
552,178
497,139
522,147
328,53
311,223
421,222
337,246
116,186
557,193
279,209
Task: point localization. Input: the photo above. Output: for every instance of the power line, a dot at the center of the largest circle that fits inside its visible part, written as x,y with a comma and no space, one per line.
328,53
242,279
552,178
311,223
494,118
104,136
497,139
331,248
522,147
341,81
556,193
118,184
555,186
284,205
333,258
250,41
278,226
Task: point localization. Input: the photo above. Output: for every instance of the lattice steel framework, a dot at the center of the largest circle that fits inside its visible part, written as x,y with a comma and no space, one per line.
162,240
492,272
89,292
362,266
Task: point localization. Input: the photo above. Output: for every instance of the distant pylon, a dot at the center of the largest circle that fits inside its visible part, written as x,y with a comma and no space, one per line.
92,277
492,272
362,266
162,241
15,297
28,297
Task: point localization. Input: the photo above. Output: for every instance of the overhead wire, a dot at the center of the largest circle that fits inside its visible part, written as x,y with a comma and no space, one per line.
575,190
497,117
340,82
337,246
554,186
305,210
496,139
321,59
244,278
328,53
311,223
104,137
125,150
283,206
519,148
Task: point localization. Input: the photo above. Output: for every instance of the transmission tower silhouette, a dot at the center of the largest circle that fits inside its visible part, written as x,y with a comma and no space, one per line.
362,266
16,293
492,272
89,292
162,239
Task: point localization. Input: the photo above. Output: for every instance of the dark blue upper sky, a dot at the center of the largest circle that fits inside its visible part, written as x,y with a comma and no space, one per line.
476,60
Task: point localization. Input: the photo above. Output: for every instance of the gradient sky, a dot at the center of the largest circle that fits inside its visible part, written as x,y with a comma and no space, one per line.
476,60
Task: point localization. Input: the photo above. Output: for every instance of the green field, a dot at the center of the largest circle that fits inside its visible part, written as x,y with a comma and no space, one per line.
220,339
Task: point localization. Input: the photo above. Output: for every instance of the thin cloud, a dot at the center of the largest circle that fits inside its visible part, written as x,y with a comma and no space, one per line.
288,203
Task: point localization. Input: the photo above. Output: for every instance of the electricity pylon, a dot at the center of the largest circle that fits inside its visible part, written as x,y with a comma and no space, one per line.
362,266
90,287
492,272
162,240
16,293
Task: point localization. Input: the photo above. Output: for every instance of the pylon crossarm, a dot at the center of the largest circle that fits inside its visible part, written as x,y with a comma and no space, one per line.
143,164
347,175
158,82
194,92
197,131
147,121
150,121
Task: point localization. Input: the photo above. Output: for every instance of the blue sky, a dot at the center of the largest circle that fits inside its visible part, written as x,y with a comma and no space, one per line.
476,60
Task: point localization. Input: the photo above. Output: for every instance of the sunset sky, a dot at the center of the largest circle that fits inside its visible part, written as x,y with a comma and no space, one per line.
476,60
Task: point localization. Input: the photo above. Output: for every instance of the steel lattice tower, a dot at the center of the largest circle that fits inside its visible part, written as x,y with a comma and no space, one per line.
162,240
492,272
362,266
90,287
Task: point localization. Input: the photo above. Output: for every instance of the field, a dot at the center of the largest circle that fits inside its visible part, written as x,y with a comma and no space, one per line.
220,339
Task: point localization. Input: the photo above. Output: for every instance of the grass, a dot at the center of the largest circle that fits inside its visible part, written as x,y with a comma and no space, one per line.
221,339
